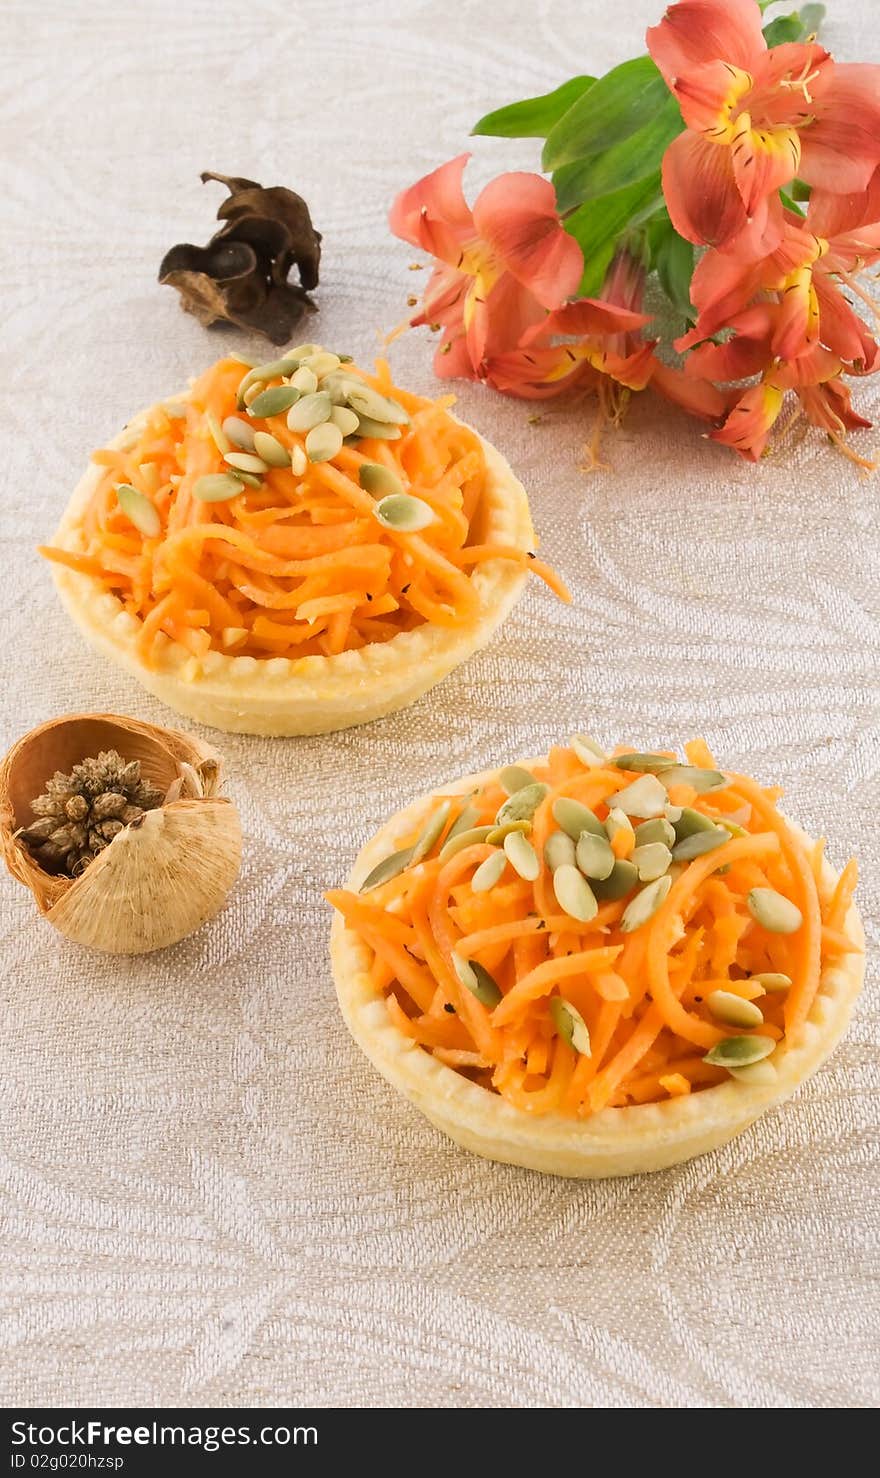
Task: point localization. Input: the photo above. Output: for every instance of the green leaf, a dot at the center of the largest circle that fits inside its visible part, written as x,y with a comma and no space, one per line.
624,163
790,203
796,26
673,260
614,108
533,118
599,224
812,17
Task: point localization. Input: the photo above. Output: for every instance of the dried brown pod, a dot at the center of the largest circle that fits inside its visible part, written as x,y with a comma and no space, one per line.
241,276
160,877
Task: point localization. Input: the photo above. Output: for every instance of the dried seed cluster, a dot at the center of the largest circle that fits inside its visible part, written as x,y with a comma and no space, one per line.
79,814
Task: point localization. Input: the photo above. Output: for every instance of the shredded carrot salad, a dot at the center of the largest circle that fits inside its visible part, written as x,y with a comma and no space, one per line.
294,560
580,972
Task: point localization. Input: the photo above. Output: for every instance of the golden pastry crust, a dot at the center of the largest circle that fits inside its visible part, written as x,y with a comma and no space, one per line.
615,1141
312,695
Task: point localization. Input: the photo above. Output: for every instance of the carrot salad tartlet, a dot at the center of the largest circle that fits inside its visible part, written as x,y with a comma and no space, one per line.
596,964
294,547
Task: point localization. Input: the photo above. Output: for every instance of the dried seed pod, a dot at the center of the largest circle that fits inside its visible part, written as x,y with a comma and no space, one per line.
145,877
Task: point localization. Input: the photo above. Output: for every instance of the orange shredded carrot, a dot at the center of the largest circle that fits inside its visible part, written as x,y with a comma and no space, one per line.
305,546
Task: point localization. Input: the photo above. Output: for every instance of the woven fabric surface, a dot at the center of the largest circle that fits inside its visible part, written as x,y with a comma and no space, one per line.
208,1196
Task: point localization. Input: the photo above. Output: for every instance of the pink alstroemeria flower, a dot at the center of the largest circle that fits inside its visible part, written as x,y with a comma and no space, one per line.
756,117
501,266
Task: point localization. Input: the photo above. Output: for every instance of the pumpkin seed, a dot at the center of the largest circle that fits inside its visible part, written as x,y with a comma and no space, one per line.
522,856
559,850
239,433
476,978
312,410
773,911
644,797
570,1025
657,830
345,419
513,778
699,843
740,1051
498,833
575,818
594,856
690,821
401,512
217,487
761,1074
458,840
379,481
218,435
732,826
617,824
489,873
304,380
389,867
259,375
522,805
368,402
587,751
378,430
645,904
574,894
337,387
651,861
245,462
270,449
468,816
274,401
431,832
323,442
322,362
701,780
733,1010
298,460
139,510
644,762
250,479
771,983
620,881
302,351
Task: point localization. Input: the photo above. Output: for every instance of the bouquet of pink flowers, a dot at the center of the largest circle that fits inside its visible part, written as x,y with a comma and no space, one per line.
737,161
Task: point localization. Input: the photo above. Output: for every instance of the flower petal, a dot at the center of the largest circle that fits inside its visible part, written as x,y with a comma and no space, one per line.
703,201
596,317
840,327
498,319
516,216
749,423
696,31
763,159
708,97
433,213
452,360
828,406
841,149
697,397
539,373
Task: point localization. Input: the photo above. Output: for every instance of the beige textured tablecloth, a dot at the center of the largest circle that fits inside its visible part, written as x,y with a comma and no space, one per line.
208,1196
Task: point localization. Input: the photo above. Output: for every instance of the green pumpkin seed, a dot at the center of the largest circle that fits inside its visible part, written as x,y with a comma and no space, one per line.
245,462
522,805
377,430
740,1051
701,780
401,512
259,375
431,832
651,861
690,821
489,873
323,442
389,867
467,818
760,1074
312,410
322,362
620,881
732,826
657,830
476,978
643,907
345,419
368,402
498,833
559,850
570,1025
575,818
522,856
644,762
574,894
250,479
239,433
594,856
379,481
618,824
587,751
337,387
304,380
139,510
218,435
298,460
773,911
644,797
302,351
513,778
771,983
270,449
274,401
699,843
458,840
217,487
734,1010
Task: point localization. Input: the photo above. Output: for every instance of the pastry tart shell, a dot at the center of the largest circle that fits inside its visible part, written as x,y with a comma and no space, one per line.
615,1141
309,695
